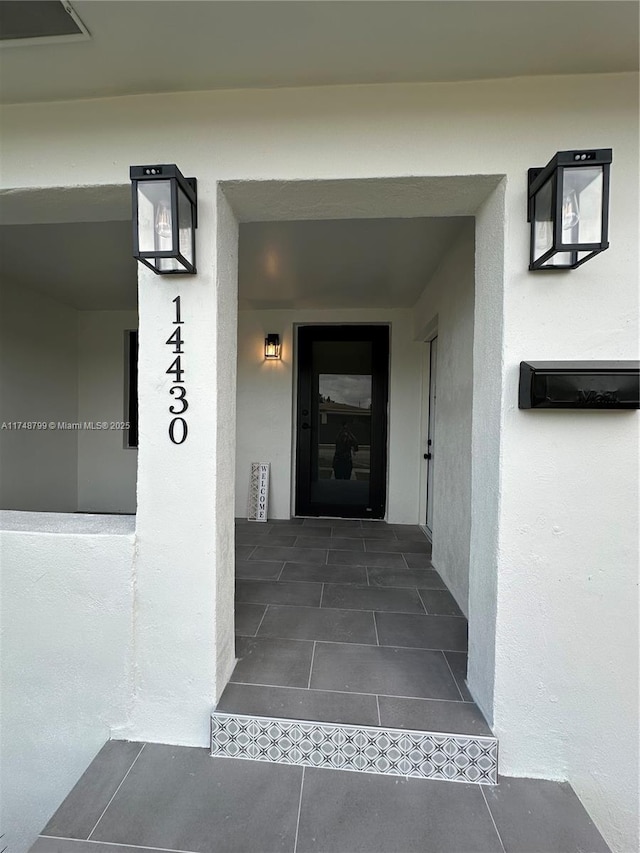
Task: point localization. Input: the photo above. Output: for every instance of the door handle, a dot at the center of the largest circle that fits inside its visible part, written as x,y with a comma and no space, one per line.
427,456
306,426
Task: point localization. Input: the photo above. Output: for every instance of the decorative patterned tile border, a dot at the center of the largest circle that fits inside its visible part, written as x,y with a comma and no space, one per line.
393,752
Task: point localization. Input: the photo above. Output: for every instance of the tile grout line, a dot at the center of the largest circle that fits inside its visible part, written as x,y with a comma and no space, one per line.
117,844
284,563
295,843
313,654
378,707
375,625
261,620
424,606
349,693
495,826
356,609
116,791
348,583
455,680
348,643
321,595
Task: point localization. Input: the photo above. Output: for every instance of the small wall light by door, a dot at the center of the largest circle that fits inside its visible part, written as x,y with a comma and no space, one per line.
568,208
272,346
164,219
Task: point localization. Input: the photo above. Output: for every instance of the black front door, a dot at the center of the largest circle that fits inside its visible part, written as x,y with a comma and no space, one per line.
343,376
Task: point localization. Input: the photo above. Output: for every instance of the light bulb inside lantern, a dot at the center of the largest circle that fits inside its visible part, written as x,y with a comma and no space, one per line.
570,211
163,220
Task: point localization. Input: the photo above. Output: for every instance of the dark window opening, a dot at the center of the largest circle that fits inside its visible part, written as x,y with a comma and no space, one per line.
131,415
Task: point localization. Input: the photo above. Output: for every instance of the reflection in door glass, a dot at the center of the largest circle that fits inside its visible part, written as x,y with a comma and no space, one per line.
344,438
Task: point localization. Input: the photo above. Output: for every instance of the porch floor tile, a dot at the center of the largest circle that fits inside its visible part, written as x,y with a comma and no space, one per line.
324,574
341,811
383,670
366,558
433,715
425,578
257,570
182,799
439,602
248,618
272,592
315,621
286,663
293,703
370,598
150,797
422,632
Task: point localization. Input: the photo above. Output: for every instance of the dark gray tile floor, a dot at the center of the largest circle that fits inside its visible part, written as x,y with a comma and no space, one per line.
136,797
344,617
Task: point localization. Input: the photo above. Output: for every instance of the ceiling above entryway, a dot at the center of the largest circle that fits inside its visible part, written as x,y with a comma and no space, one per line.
343,263
142,47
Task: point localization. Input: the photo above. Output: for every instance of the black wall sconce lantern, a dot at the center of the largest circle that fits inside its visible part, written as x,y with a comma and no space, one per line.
272,346
164,219
568,208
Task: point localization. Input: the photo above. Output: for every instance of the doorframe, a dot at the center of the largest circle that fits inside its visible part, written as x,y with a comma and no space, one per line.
428,334
383,438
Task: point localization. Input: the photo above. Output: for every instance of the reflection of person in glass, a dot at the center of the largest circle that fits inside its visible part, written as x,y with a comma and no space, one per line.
342,458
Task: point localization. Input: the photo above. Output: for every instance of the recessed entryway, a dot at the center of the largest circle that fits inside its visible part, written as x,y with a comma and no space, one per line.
295,264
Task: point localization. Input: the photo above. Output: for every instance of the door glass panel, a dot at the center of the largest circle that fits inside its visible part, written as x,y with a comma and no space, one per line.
341,422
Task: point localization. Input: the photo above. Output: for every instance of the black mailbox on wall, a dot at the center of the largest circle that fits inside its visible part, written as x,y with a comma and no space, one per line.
579,385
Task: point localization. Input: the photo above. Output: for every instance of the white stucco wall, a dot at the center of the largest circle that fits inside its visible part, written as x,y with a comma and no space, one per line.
106,467
449,299
38,383
67,657
265,406
540,523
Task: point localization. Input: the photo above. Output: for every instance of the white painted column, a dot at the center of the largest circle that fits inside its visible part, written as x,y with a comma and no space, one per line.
225,480
183,596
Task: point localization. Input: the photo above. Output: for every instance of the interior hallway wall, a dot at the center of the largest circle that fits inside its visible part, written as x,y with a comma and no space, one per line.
106,467
265,406
38,383
450,296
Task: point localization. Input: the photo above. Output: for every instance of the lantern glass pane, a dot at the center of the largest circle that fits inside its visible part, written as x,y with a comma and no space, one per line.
582,204
543,220
154,216
169,265
185,226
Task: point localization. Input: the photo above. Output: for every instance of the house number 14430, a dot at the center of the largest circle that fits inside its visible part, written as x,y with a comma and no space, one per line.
178,429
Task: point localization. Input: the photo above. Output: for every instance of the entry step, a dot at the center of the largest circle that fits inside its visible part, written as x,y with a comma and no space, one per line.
367,749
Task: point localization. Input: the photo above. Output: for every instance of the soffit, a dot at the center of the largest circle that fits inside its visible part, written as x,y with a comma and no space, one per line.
347,263
143,47
87,265
350,263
